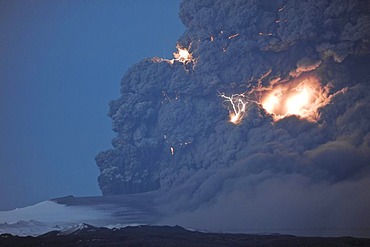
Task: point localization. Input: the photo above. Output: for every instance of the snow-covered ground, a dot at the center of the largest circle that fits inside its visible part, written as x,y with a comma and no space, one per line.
49,211
69,212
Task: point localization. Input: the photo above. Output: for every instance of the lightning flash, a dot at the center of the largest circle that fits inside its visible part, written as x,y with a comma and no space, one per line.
237,107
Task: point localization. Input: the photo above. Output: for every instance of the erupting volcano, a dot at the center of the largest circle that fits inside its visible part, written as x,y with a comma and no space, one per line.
260,122
292,79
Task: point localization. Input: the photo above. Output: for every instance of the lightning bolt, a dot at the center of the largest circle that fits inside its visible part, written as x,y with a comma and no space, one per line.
238,103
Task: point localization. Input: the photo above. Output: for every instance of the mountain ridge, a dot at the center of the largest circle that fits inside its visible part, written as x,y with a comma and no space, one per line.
145,235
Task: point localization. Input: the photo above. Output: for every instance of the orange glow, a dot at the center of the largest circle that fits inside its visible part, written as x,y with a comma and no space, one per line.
182,55
299,100
301,97
272,100
236,118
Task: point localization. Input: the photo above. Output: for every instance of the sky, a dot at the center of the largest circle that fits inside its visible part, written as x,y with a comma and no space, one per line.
60,64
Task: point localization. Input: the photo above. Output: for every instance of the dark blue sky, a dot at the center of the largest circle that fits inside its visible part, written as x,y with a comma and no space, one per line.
60,64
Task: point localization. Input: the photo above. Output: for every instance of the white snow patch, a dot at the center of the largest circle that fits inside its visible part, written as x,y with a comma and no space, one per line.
28,228
48,216
77,228
49,211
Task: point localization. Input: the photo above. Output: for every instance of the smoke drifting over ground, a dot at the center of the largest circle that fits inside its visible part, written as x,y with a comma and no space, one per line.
293,173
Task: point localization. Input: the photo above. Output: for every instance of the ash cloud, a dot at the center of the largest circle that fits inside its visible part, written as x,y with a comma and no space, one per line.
289,176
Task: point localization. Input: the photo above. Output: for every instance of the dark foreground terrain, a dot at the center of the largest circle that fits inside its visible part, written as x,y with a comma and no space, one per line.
169,236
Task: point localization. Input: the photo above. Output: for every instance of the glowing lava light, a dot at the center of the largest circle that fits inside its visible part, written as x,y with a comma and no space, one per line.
238,108
182,55
299,97
272,100
299,100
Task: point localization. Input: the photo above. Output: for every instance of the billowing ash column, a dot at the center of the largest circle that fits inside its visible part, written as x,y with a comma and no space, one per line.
257,88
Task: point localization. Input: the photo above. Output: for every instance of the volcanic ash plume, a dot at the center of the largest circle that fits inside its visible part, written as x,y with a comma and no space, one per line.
260,122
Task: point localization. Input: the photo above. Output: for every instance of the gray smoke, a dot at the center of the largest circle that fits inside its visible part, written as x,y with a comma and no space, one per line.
291,175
